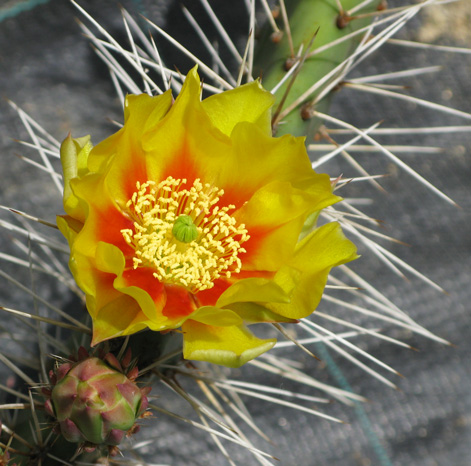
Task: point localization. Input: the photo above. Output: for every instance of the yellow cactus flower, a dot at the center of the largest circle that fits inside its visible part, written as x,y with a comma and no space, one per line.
190,217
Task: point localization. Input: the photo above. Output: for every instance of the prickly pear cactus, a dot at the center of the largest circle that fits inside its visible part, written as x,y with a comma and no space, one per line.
93,402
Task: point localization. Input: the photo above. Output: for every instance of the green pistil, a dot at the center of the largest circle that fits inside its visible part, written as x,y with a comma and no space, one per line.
184,230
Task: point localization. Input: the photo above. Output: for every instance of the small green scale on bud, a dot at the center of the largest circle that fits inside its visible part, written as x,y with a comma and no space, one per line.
184,230
95,402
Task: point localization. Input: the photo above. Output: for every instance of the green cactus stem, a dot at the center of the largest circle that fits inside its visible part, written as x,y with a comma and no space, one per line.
312,24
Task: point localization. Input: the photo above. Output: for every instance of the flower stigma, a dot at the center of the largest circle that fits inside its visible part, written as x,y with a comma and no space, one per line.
183,234
184,229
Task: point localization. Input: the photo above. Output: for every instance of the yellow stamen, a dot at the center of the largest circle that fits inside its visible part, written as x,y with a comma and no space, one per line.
157,208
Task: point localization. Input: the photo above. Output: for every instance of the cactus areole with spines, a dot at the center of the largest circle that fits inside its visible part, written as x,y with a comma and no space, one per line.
94,402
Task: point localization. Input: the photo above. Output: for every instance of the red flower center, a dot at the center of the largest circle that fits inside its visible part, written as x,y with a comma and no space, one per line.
183,234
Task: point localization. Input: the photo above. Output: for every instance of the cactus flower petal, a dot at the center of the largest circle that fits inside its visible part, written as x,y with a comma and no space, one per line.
228,346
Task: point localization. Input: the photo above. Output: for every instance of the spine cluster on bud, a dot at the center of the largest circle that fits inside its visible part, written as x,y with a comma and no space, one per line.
5,459
96,401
